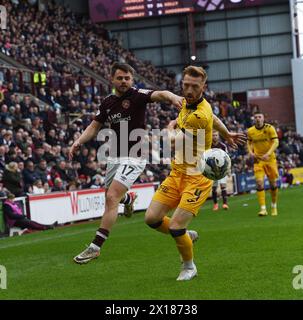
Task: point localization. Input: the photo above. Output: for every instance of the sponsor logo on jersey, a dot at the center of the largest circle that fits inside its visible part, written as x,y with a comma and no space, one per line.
125,104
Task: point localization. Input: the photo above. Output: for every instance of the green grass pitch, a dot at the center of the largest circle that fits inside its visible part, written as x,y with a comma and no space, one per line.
238,255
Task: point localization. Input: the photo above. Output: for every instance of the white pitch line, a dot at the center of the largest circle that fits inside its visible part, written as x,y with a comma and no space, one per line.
60,236
23,243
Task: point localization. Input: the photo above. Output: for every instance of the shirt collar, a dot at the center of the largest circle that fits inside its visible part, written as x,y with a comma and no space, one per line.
194,105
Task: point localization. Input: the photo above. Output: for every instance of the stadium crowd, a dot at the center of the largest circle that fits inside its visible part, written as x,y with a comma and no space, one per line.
36,134
37,36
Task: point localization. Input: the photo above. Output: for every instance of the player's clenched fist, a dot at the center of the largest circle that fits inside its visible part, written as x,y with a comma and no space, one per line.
177,101
76,146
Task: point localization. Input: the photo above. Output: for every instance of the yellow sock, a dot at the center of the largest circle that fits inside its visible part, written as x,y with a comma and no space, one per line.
184,244
274,195
261,198
164,227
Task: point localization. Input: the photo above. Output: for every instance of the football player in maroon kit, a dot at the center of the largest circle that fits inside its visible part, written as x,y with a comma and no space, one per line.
126,106
222,182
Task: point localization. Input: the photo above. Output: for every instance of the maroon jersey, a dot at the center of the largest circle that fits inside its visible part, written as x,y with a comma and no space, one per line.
130,108
219,145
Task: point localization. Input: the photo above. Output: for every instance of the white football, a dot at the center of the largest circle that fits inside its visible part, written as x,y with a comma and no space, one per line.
215,164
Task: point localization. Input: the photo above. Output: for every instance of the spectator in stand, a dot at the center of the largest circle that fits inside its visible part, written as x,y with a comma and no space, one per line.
2,158
12,179
62,171
41,171
58,185
29,174
85,181
97,182
46,188
3,191
38,187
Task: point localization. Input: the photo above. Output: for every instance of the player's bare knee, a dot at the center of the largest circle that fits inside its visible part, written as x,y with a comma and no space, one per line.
151,217
273,185
260,185
148,217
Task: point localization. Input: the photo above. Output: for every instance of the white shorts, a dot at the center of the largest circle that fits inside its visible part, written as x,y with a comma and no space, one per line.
221,181
124,170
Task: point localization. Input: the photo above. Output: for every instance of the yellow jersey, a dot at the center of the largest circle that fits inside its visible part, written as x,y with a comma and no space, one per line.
262,139
194,135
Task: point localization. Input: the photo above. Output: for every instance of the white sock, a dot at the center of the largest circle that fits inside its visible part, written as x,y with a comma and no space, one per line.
95,247
274,205
188,264
263,207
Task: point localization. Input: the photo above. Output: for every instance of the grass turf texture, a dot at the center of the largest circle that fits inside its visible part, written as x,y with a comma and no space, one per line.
238,255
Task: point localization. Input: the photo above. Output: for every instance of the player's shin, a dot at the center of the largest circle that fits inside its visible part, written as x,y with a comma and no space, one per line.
184,245
274,196
261,198
215,195
224,195
161,226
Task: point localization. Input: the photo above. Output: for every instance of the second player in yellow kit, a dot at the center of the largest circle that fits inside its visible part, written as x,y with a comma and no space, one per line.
262,143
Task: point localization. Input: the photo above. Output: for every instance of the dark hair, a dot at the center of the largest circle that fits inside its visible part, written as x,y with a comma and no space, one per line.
122,66
10,195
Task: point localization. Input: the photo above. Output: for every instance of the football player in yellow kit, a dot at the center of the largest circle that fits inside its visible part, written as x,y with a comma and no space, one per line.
186,189
262,141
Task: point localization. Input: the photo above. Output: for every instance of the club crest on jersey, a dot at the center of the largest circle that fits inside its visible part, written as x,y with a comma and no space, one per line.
125,104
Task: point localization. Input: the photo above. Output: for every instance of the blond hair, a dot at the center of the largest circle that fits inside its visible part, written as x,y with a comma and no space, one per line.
12,166
195,72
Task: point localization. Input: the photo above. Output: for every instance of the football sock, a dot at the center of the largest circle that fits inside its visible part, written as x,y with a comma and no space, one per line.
215,195
161,226
189,264
101,236
224,196
184,244
261,198
127,199
274,195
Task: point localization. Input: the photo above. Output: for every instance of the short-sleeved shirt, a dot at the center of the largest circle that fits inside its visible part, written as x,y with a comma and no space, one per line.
262,139
129,109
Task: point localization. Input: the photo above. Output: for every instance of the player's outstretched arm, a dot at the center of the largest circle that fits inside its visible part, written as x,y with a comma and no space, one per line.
232,138
89,133
167,96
